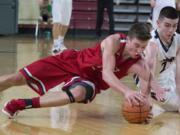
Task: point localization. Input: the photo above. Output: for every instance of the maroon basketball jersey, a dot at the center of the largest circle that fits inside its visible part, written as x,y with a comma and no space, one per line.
90,63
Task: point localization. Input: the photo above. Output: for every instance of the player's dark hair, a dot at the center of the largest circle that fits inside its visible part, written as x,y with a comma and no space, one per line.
168,12
140,31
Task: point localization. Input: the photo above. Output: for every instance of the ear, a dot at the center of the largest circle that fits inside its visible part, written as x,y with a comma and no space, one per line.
158,22
128,38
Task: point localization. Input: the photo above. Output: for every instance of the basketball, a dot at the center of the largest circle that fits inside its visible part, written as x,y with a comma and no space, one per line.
136,113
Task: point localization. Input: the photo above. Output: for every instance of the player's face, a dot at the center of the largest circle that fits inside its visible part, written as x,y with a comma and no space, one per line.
167,28
135,47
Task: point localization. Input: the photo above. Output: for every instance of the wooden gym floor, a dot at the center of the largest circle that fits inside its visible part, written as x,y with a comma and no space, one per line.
101,117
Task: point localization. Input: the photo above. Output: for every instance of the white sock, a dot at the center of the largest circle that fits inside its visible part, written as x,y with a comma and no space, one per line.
61,40
55,41
58,42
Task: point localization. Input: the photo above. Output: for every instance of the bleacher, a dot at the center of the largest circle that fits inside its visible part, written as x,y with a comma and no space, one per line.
84,13
126,13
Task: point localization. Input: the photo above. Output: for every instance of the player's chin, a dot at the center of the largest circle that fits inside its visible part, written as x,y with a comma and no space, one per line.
135,56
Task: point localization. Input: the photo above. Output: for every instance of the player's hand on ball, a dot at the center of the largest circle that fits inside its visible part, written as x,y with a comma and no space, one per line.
134,97
139,114
160,94
150,116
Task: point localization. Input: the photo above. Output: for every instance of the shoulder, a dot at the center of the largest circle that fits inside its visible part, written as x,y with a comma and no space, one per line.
177,37
154,35
151,49
153,42
111,41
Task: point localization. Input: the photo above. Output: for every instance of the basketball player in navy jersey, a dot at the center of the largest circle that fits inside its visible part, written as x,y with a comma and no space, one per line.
163,57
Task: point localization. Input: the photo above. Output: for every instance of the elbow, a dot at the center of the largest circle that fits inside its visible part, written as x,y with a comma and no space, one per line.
150,65
105,76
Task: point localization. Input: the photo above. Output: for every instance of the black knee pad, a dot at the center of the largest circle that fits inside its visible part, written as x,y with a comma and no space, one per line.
89,92
70,95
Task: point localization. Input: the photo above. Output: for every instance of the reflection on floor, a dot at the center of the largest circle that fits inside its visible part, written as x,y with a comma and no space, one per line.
101,117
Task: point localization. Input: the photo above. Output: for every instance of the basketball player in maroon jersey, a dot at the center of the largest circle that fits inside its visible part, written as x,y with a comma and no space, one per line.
85,73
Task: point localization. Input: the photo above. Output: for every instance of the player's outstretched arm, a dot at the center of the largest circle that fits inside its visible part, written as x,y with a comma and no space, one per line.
178,74
146,71
109,47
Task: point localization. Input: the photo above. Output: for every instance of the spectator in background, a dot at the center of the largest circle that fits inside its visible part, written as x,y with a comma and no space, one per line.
157,5
61,13
101,5
45,11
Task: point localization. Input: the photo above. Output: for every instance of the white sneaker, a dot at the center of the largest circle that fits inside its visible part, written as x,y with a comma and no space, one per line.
58,48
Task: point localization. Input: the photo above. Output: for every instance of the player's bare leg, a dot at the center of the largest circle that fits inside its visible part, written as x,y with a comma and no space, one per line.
51,99
64,30
56,30
58,98
59,32
15,79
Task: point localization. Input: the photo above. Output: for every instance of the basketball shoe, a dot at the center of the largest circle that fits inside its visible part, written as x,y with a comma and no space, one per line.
58,48
12,107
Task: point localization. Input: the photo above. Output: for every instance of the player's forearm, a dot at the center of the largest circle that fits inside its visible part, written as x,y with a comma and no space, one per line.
114,82
149,83
178,85
178,90
177,78
144,87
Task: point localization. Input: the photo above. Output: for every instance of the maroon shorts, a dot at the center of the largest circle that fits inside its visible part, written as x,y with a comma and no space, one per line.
39,87
44,74
42,79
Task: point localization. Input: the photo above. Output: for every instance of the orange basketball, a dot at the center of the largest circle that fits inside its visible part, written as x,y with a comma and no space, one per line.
136,113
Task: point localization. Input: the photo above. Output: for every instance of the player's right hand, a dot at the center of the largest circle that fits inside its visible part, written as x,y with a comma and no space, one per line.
134,97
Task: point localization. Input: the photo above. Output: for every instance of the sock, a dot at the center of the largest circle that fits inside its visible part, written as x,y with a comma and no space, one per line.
32,103
56,41
61,40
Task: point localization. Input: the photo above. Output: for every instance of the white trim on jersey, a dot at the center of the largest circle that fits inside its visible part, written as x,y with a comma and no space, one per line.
166,55
36,79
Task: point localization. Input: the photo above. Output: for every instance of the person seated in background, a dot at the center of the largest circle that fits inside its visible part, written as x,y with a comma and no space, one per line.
45,11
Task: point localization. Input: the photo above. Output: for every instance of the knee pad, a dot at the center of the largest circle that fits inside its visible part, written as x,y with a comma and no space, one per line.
70,95
89,92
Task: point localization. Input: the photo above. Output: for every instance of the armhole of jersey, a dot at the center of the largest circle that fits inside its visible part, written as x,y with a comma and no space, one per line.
122,38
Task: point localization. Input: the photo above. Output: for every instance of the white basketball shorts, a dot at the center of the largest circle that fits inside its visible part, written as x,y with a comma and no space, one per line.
61,11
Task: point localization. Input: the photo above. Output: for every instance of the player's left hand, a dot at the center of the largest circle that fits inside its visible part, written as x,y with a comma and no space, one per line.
149,118
160,94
